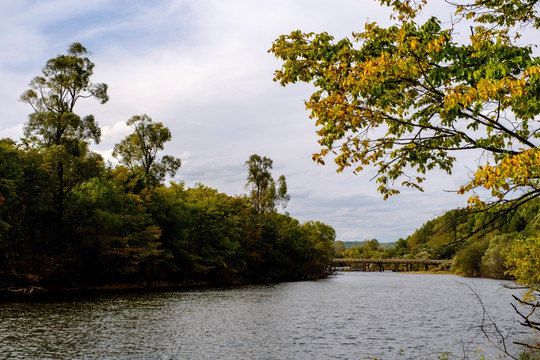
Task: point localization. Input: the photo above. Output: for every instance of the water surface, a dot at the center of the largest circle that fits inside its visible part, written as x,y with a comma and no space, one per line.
350,316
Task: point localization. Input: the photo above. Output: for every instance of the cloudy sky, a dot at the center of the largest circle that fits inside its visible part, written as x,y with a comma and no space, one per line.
202,68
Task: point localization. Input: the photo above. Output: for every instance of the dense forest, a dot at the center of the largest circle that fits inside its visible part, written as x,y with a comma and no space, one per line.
69,219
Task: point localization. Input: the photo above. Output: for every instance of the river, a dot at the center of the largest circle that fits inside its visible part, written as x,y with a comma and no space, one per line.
353,315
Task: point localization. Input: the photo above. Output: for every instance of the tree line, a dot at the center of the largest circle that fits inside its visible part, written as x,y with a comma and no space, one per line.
69,219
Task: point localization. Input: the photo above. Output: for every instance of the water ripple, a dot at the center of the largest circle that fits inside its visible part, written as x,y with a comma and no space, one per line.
351,316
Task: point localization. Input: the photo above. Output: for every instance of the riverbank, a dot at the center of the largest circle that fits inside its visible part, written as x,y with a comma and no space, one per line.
37,291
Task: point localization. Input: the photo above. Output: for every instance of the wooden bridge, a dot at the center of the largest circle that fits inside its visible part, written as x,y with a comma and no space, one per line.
389,264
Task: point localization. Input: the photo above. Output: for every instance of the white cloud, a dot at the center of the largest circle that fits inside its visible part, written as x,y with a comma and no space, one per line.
13,132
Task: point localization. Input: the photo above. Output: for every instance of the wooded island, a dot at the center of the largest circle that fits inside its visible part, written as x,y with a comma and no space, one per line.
68,219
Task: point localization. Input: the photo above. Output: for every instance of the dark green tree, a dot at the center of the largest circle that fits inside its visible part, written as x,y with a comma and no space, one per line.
316,251
400,249
215,231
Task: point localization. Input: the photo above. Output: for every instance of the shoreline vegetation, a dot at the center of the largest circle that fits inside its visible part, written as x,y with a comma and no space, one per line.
193,241
163,235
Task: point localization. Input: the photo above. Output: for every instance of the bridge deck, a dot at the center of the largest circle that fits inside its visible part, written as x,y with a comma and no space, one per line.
391,261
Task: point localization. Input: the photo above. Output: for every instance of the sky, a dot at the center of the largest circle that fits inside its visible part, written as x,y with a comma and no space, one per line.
202,68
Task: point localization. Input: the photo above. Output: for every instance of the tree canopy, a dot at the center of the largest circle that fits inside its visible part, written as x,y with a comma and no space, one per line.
406,98
53,96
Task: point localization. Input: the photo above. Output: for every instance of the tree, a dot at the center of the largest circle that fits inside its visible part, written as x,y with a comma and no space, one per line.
264,195
400,249
409,97
53,126
370,249
139,150
216,226
317,250
338,249
53,96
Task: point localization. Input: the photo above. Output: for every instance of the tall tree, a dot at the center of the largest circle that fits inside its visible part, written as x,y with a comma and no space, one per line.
139,150
53,126
264,195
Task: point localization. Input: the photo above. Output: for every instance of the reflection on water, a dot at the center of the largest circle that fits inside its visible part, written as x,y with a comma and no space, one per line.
350,316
